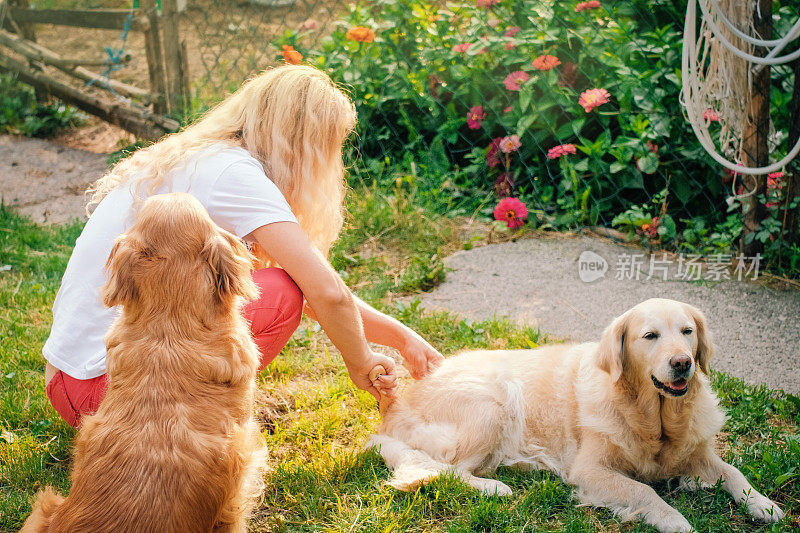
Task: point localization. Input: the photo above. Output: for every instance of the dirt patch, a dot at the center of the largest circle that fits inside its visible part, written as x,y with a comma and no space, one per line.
46,181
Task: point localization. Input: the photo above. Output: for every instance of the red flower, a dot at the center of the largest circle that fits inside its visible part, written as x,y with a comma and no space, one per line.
475,116
508,109
509,144
463,47
593,98
653,147
291,56
512,31
585,6
651,230
562,149
771,204
512,211
711,115
503,185
774,180
487,3
509,45
546,62
514,80
491,155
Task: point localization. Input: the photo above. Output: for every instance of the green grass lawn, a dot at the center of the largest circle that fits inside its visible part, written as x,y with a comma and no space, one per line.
316,422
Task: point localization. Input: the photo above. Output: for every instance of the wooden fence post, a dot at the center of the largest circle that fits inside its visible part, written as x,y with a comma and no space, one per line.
755,151
177,92
155,57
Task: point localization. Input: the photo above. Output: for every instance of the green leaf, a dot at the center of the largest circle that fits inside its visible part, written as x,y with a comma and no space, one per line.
648,164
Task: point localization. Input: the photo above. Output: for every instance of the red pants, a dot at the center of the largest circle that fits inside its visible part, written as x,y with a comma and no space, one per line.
273,318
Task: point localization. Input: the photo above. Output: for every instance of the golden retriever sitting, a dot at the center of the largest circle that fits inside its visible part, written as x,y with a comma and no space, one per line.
607,417
173,446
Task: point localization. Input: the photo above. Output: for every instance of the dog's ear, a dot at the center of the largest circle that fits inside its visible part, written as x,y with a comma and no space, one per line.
705,343
611,351
230,264
120,288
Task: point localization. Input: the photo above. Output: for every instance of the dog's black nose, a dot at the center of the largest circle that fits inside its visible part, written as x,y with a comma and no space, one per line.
681,362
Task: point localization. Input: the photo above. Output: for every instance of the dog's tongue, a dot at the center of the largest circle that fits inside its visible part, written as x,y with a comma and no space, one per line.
678,384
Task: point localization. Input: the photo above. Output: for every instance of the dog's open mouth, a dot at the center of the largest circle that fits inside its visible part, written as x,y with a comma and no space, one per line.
675,388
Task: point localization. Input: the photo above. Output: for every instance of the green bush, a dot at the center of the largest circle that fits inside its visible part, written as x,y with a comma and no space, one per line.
429,67
22,114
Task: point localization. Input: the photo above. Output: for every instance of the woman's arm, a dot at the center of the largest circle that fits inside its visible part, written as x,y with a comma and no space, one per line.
333,303
420,357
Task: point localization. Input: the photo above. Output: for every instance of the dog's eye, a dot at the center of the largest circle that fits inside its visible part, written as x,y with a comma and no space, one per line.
687,331
651,335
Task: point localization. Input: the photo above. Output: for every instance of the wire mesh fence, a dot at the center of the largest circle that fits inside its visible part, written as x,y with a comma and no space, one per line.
571,107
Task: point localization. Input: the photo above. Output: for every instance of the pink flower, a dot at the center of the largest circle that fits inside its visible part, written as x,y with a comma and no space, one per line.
487,3
593,98
711,115
509,144
308,25
774,180
463,47
493,22
585,6
652,147
475,116
508,109
512,31
514,80
546,62
491,154
562,149
512,211
510,45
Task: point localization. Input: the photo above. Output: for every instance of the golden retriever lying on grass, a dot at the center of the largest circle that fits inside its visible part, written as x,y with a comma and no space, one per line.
607,417
173,446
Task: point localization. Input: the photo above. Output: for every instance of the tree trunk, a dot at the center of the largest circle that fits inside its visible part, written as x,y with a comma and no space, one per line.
755,151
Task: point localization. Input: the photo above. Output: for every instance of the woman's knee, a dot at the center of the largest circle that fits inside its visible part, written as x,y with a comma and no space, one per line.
278,290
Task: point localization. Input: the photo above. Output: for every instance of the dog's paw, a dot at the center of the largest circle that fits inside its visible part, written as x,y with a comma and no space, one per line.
669,521
764,510
409,479
490,487
689,484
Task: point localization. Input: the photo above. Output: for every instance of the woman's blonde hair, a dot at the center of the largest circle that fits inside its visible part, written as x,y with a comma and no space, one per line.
292,119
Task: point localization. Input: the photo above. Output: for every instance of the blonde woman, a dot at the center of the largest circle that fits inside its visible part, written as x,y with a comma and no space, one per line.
267,165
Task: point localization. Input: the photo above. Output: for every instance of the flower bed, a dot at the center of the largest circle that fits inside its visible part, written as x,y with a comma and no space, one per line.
572,107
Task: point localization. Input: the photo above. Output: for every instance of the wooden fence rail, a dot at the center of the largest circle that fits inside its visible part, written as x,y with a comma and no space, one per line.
168,93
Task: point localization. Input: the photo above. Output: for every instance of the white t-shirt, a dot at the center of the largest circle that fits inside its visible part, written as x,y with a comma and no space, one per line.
239,197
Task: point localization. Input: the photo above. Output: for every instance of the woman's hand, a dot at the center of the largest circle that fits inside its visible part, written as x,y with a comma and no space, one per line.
386,383
419,357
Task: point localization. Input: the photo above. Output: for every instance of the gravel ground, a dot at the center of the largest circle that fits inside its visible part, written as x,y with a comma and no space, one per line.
46,181
536,281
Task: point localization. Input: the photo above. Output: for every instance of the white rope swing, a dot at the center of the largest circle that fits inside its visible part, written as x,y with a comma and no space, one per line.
696,97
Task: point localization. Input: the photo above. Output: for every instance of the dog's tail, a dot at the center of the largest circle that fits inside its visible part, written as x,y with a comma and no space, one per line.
410,468
47,501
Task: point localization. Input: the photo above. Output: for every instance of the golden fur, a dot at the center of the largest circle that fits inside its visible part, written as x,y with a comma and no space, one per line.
607,417
173,446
